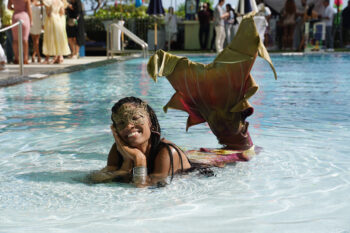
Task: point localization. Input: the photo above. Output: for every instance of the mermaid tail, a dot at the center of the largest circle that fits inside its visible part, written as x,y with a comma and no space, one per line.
216,93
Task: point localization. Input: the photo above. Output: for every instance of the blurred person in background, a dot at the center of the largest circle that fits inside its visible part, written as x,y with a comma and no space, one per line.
288,21
6,17
171,28
36,28
204,18
230,21
23,12
212,42
337,24
346,25
219,22
75,27
263,30
299,26
55,36
327,17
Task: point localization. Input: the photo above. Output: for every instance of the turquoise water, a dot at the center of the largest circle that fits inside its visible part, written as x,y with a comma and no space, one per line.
55,131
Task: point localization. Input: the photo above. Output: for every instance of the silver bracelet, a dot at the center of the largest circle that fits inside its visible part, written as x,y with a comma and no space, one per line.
139,175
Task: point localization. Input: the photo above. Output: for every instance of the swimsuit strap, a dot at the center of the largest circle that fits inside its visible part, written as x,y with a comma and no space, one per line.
178,152
171,160
167,145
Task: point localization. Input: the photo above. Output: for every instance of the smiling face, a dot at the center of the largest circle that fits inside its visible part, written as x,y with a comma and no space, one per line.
133,124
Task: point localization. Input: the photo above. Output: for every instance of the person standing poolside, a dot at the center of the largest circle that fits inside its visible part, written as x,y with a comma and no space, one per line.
346,25
204,26
212,42
138,151
327,17
219,23
55,36
264,29
6,18
289,14
171,28
299,26
36,28
75,26
23,12
229,22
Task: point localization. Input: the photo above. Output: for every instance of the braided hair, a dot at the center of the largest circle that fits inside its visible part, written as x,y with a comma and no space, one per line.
155,127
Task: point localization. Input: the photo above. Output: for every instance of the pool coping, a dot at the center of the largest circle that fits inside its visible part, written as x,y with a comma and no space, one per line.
45,72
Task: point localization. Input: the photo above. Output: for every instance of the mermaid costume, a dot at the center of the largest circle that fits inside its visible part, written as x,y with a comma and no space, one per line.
216,93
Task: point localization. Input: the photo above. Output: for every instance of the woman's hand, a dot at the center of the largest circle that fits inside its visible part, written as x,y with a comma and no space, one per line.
128,152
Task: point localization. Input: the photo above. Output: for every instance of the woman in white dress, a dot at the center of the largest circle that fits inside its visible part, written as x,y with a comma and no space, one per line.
171,27
55,36
36,28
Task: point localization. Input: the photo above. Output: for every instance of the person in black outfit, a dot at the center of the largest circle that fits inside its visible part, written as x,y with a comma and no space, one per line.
75,26
204,26
212,43
346,25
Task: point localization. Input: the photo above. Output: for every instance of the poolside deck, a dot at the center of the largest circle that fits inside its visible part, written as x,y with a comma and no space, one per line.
34,71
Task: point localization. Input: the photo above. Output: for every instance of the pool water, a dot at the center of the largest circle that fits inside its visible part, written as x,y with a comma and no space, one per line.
55,131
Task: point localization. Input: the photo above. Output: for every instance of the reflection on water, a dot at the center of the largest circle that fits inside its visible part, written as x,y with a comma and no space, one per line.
55,131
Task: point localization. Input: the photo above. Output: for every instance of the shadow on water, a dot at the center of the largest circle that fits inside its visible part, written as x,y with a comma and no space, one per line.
75,154
70,177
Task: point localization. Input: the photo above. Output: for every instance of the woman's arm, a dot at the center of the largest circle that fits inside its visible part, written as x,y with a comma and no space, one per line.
38,3
48,10
62,10
162,166
10,5
113,168
29,11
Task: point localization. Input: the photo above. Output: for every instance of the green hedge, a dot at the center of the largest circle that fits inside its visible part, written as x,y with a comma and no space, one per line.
121,12
94,29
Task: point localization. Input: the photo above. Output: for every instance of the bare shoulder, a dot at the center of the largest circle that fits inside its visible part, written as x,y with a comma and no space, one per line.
164,154
173,150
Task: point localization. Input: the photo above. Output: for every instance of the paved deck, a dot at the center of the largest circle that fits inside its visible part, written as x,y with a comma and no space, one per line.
33,71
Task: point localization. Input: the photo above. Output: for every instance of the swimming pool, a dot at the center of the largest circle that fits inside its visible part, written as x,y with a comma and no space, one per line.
55,131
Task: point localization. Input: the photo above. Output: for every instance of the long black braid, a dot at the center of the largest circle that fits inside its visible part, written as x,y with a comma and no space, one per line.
155,128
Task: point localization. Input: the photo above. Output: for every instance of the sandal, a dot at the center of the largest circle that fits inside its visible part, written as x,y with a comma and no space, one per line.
58,61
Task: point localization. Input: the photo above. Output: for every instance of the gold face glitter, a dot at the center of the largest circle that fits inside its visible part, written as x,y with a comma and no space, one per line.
130,114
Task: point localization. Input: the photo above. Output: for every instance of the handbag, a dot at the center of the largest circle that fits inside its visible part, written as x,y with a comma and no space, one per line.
72,22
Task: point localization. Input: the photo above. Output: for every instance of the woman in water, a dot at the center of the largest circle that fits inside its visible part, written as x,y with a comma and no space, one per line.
138,151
